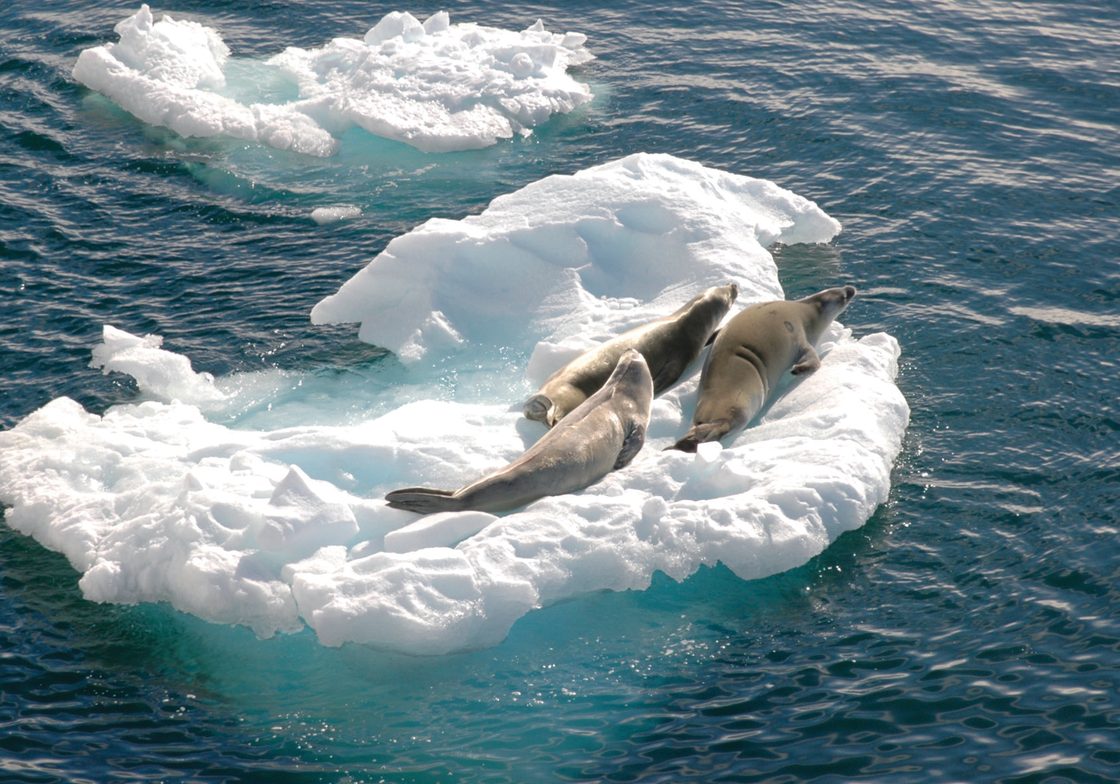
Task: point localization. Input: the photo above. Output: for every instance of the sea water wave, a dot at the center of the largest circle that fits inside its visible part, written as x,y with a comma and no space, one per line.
281,527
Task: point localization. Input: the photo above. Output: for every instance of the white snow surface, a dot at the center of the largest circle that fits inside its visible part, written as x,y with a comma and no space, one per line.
435,85
282,524
572,260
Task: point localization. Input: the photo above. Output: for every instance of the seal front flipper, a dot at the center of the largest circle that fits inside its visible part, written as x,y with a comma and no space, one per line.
807,362
631,445
668,375
424,500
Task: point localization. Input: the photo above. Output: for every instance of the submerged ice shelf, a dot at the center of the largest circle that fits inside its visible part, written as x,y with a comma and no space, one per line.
435,85
281,524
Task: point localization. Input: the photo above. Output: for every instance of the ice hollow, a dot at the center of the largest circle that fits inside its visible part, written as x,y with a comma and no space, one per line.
435,85
572,260
279,523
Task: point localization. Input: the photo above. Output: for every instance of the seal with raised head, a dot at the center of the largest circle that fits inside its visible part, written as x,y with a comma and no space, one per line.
751,354
669,344
601,435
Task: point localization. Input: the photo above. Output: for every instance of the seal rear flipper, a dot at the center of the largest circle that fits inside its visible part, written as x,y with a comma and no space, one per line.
424,500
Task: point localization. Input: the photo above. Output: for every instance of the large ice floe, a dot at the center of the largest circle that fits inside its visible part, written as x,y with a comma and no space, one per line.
277,523
435,85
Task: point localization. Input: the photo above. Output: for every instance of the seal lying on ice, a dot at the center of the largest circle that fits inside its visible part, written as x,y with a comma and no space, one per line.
669,345
750,355
602,434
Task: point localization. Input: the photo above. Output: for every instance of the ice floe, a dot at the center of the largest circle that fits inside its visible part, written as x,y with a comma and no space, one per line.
435,85
281,523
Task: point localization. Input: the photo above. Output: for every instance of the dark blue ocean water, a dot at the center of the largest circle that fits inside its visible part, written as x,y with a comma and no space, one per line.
970,631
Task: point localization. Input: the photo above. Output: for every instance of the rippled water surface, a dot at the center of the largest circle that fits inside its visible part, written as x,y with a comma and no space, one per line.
968,632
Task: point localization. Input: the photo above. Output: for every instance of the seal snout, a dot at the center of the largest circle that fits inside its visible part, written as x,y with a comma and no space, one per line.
834,300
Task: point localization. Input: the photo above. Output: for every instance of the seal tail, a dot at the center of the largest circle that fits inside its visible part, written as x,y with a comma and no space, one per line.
424,500
537,408
698,434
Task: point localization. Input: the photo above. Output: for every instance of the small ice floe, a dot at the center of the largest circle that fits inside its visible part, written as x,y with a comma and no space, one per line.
434,85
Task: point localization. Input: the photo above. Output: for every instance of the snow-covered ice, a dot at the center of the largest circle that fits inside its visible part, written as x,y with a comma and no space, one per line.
435,85
570,261
280,523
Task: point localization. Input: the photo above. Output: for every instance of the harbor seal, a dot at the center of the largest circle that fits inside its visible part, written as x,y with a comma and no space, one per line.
752,353
602,434
669,345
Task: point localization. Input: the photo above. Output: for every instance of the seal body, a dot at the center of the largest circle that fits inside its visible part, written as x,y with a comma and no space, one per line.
669,345
752,353
602,434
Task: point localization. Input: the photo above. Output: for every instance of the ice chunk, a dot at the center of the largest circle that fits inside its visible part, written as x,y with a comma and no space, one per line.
162,374
324,215
304,517
433,85
395,24
445,529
